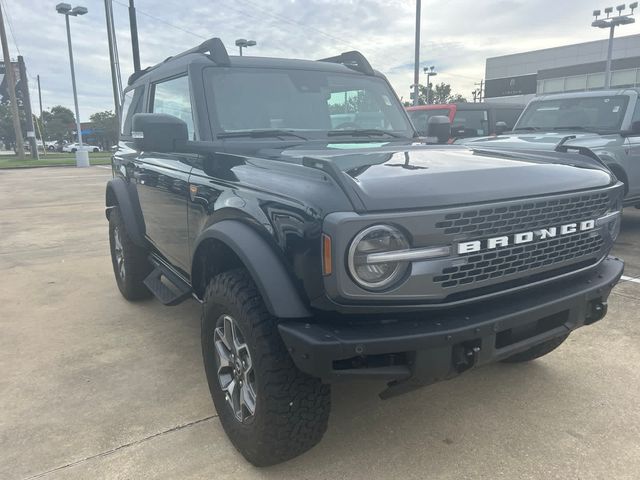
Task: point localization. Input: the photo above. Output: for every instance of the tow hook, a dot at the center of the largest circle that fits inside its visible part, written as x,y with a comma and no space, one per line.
465,355
597,311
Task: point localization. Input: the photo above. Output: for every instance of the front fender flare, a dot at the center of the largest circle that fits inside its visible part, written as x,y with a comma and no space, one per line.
267,270
119,194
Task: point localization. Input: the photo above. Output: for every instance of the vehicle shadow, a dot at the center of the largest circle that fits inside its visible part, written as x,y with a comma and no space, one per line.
429,426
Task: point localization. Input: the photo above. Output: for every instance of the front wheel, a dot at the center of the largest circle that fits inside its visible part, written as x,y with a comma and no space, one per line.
270,410
74,150
130,261
95,150
537,351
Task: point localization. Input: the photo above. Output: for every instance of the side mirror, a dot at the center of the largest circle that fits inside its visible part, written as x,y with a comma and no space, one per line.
635,128
501,127
158,132
438,129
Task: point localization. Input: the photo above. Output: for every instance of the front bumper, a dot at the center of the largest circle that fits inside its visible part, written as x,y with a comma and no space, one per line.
422,348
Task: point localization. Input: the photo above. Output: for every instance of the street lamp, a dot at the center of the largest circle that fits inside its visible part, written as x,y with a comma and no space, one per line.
430,73
241,42
611,23
82,157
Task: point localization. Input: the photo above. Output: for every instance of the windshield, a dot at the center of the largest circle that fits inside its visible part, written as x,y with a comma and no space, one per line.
314,104
420,118
599,114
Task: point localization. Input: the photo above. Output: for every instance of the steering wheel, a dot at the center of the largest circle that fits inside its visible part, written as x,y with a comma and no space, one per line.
348,125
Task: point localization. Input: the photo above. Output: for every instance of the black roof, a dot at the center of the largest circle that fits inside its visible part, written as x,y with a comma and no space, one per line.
213,51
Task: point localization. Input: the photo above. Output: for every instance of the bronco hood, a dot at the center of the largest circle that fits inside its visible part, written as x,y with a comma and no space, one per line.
405,177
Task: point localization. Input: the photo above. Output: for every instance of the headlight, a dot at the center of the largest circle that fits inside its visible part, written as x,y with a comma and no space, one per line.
372,274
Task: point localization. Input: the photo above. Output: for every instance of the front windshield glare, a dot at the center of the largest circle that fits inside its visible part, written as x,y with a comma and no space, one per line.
313,102
584,113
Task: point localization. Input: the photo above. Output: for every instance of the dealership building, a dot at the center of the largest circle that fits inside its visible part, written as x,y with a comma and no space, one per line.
517,78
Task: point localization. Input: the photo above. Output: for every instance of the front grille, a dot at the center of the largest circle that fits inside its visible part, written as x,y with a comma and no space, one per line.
509,262
524,217
543,257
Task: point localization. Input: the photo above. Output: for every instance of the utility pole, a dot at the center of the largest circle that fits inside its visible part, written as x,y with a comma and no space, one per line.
113,58
416,66
43,130
133,25
480,90
26,104
11,86
39,96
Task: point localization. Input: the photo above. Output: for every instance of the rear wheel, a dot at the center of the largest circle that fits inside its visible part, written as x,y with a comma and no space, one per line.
537,351
269,409
96,150
130,262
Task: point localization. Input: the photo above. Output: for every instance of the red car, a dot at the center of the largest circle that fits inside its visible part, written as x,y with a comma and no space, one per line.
468,119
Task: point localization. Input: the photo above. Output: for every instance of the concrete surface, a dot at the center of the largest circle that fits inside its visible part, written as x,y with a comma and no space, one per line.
94,387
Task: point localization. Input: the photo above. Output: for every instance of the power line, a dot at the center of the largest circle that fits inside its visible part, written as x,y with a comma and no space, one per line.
299,24
161,20
10,23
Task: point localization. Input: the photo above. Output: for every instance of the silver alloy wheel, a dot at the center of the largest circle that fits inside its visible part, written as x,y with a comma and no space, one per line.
235,368
119,253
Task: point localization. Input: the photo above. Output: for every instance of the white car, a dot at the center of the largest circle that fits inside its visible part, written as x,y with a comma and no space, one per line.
74,147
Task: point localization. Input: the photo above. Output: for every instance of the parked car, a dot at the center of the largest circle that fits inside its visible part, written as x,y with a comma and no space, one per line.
604,122
468,119
324,250
74,147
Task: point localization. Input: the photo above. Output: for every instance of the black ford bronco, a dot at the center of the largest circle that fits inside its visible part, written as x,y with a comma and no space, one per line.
325,242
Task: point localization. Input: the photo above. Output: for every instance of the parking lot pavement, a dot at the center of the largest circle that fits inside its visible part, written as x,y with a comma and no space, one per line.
94,387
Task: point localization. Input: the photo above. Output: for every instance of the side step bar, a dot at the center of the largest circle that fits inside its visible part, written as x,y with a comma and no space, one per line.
167,287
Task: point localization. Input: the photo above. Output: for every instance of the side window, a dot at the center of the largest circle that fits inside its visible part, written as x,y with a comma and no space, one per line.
132,104
636,114
172,97
508,116
470,123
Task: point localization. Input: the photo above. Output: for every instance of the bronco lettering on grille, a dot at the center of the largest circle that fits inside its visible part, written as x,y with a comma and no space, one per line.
525,237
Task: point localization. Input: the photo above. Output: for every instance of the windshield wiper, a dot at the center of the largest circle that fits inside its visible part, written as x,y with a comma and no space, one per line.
261,134
367,132
569,128
531,129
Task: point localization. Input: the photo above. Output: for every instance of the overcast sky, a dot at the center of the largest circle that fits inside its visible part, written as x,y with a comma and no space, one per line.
457,36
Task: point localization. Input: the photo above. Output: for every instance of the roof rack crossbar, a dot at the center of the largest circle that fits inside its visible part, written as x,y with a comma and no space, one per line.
214,48
354,60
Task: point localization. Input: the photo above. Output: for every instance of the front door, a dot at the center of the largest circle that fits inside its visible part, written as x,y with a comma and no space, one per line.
163,178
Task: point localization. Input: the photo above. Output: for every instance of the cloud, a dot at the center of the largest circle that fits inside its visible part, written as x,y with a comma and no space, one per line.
456,36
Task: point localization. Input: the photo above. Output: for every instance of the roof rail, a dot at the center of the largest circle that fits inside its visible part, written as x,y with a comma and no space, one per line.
354,60
214,46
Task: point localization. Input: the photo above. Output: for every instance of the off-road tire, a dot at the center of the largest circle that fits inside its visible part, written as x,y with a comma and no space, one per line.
291,408
537,351
136,262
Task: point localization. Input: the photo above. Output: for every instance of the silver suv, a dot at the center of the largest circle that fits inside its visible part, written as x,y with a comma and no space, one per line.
607,122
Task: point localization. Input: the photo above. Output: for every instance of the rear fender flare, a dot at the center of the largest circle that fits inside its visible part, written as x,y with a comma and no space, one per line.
282,298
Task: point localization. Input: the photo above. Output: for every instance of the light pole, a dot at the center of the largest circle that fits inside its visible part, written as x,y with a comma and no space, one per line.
430,73
82,157
611,23
416,61
241,42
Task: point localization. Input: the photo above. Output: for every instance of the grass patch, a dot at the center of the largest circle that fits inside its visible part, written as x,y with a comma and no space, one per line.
53,160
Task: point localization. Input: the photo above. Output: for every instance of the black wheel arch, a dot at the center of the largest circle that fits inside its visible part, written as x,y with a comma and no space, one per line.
120,194
618,171
230,244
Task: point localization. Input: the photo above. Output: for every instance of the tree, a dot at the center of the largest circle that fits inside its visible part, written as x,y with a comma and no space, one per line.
105,126
7,133
59,123
438,95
